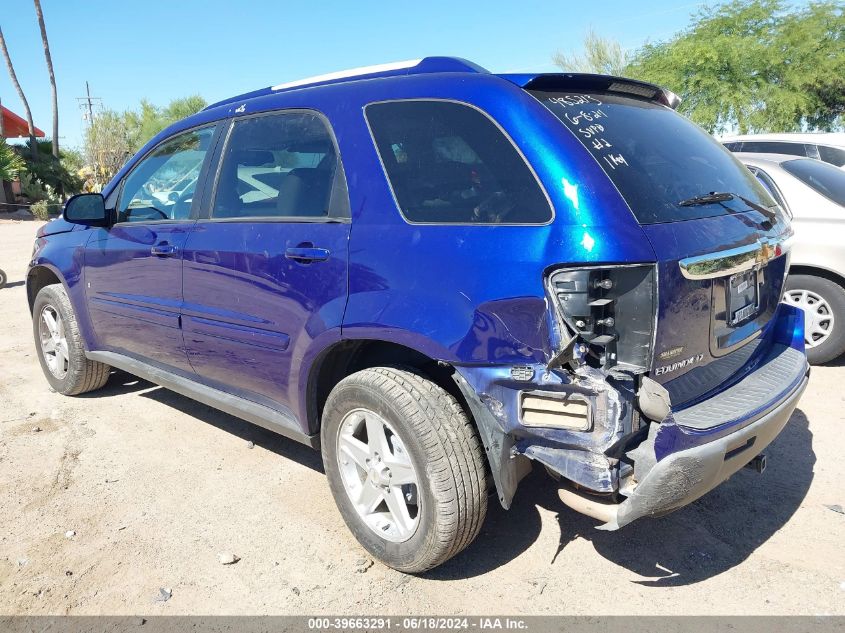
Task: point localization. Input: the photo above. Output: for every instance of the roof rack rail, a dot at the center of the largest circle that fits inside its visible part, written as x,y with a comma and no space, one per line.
410,67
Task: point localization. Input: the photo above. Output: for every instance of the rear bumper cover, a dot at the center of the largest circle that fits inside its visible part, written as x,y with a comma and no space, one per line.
682,477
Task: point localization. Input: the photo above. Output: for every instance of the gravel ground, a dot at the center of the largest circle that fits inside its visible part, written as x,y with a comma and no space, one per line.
109,498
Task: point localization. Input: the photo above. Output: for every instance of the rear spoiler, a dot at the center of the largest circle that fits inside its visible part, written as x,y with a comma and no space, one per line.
604,83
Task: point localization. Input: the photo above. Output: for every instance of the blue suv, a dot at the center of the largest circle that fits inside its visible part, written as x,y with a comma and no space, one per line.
442,277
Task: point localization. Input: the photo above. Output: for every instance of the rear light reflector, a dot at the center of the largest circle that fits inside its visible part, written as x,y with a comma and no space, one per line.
554,410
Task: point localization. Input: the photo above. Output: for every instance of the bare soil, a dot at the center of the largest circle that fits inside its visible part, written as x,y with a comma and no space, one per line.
155,486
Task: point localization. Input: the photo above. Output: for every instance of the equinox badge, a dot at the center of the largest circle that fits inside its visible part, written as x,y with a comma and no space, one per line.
679,364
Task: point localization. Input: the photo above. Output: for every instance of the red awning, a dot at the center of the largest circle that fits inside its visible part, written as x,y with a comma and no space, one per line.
15,126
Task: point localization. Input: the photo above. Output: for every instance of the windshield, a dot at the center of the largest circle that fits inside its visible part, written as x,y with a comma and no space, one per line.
655,157
826,179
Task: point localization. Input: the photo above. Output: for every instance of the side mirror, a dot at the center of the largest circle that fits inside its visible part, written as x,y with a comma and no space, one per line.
88,209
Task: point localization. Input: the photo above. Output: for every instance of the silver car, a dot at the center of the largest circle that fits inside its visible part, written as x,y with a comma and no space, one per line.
828,147
813,193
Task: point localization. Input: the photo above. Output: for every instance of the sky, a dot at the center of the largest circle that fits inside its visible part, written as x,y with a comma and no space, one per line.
129,50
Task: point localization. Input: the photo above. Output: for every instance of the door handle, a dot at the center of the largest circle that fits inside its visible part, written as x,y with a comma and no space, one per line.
306,254
164,250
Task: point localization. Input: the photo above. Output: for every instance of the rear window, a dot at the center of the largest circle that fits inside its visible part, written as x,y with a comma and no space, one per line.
832,155
826,179
654,156
449,163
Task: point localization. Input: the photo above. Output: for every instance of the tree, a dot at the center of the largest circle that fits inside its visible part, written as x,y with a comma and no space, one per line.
47,177
40,15
10,163
600,55
755,66
13,76
184,107
107,144
113,137
150,119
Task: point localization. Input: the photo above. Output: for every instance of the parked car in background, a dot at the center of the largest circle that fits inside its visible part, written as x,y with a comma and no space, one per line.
442,276
827,147
813,193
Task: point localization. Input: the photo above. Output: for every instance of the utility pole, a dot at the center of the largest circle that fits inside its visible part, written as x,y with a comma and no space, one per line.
86,104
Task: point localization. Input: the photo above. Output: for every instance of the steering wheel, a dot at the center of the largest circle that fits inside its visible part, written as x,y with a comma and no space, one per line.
181,203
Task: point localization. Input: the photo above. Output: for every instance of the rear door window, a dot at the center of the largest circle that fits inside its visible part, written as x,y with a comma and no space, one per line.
449,163
655,157
281,165
826,179
774,147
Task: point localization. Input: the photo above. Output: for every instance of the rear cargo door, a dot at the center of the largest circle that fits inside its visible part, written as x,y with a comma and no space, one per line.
720,280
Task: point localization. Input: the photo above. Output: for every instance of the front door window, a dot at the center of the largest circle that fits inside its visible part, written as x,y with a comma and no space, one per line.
162,185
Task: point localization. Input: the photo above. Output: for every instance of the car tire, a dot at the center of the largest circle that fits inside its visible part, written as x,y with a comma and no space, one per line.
425,427
59,345
825,300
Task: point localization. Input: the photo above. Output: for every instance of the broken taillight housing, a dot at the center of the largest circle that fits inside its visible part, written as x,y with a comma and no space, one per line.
612,310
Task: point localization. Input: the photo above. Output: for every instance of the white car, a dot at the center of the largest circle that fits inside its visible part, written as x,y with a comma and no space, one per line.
828,147
813,193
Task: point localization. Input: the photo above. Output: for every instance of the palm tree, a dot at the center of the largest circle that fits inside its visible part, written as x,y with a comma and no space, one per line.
49,59
33,147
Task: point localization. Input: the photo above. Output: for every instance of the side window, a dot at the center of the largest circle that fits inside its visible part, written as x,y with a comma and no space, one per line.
832,155
162,185
774,147
279,165
734,146
449,163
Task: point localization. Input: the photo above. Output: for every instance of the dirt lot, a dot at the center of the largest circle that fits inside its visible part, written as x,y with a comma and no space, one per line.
155,486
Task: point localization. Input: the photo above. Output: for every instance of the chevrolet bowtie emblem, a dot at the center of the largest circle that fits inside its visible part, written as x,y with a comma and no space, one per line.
764,254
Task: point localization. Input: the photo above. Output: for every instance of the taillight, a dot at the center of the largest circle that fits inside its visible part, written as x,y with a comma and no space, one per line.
611,309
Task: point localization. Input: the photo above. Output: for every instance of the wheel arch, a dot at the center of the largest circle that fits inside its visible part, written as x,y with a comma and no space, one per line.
44,273
817,271
40,276
348,356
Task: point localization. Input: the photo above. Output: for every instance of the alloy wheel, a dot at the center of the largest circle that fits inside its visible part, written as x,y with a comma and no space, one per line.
51,333
378,475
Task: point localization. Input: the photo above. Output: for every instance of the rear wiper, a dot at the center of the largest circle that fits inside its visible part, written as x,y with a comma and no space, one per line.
713,196
724,196
766,211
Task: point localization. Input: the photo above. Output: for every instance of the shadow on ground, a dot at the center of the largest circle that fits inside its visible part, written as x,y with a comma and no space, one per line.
121,382
702,540
705,539
839,361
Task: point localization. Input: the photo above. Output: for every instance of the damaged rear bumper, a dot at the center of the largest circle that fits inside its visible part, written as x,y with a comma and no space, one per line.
621,465
682,477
